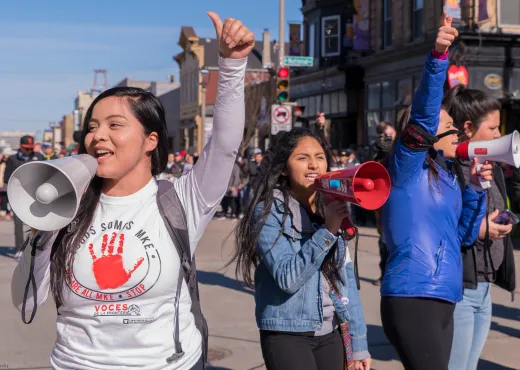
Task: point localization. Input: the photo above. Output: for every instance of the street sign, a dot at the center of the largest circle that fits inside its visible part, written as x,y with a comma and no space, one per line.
281,118
291,61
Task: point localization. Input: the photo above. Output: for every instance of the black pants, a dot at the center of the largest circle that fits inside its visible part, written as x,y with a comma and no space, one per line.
284,351
383,253
229,202
420,329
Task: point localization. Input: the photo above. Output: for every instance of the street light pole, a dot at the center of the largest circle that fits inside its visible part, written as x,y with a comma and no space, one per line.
281,36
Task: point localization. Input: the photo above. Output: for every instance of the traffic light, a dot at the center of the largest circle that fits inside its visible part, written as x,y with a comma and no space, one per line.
282,84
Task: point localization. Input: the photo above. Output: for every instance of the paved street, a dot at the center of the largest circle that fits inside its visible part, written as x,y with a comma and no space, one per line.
229,308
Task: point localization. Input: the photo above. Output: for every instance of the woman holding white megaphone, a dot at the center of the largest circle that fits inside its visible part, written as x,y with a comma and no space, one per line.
116,272
490,258
425,220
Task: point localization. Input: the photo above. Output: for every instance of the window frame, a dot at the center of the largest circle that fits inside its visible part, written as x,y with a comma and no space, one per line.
337,18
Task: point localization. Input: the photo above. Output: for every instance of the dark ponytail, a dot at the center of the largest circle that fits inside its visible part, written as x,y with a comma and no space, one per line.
464,104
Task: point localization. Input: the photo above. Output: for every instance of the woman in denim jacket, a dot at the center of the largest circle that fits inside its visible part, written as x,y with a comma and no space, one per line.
293,241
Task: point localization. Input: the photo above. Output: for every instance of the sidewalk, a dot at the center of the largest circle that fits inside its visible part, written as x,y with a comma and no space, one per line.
229,308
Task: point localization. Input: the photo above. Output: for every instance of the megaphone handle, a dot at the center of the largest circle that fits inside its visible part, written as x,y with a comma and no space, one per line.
350,229
483,183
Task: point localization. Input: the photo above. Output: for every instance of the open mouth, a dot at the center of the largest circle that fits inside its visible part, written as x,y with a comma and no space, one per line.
311,176
456,142
103,154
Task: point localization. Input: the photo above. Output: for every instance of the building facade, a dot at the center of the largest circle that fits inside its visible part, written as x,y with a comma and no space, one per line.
198,64
485,56
333,84
67,131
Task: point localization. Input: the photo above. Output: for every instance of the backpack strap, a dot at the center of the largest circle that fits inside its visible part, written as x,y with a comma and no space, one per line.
174,216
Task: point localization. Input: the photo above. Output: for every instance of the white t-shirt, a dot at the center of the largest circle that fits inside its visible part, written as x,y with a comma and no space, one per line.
118,311
123,286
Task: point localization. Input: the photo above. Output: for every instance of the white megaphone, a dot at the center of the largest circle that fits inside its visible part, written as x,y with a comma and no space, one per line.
505,150
46,194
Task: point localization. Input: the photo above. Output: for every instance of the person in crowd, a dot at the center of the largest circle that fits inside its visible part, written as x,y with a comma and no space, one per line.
188,164
48,152
384,141
318,128
425,220
304,278
230,201
119,215
254,165
25,154
477,116
3,186
336,158
382,148
244,180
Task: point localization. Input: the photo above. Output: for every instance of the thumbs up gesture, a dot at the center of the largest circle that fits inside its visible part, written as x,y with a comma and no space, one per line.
446,34
235,41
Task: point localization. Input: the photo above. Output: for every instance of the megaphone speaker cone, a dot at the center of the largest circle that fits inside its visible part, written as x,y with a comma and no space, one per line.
45,195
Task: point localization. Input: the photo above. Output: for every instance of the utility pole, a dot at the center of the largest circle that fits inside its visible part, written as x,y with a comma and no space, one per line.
281,36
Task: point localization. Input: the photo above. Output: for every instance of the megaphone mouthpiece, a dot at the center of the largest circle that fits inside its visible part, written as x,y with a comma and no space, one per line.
47,193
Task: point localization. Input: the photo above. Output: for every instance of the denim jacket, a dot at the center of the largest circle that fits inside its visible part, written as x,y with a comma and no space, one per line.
288,286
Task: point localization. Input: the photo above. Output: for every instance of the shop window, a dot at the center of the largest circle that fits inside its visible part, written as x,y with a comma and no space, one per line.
330,37
372,121
374,96
342,101
334,106
387,23
417,19
388,94
509,13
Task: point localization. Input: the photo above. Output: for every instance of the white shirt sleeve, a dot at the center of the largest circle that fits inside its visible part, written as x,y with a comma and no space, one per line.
41,276
202,189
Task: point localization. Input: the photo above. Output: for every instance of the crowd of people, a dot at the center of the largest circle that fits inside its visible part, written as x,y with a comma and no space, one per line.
440,242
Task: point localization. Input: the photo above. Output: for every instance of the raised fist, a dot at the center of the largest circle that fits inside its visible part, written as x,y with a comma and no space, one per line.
446,34
235,41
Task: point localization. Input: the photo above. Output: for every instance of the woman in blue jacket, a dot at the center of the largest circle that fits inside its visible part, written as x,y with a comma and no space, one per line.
426,219
305,289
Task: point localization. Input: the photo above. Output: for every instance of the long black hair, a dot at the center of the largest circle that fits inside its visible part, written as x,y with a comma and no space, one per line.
472,105
271,178
150,113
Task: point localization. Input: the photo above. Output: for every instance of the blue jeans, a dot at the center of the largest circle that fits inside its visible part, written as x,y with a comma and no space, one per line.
472,319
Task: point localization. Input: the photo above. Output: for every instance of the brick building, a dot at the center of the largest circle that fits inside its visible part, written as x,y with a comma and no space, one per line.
201,55
486,55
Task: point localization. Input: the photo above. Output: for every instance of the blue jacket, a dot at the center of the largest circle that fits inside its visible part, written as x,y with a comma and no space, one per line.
425,222
288,286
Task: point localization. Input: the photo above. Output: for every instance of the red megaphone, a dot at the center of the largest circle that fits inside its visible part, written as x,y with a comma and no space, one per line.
367,185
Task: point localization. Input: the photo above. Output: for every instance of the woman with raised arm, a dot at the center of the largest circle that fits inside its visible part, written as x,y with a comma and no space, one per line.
114,275
426,219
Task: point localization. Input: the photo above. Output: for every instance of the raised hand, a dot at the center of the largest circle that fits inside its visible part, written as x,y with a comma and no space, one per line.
108,269
446,34
235,41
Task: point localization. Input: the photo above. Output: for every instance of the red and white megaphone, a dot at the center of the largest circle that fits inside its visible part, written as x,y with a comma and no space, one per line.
367,185
505,150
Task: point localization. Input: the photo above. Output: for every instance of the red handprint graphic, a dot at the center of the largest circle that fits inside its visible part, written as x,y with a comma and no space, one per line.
108,269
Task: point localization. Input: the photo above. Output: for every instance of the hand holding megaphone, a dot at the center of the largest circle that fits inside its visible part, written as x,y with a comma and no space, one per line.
481,173
366,185
505,150
46,194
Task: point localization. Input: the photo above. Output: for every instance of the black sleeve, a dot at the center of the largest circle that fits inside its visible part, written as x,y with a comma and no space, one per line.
514,190
9,169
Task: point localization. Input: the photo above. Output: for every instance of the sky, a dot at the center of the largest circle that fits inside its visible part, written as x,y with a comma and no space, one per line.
49,49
